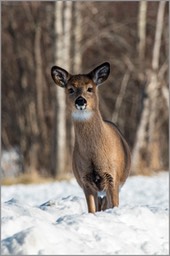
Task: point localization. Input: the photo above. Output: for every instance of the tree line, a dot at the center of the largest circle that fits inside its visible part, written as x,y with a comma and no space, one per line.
78,36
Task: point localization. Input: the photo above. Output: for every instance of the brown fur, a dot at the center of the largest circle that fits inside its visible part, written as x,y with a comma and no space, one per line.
101,156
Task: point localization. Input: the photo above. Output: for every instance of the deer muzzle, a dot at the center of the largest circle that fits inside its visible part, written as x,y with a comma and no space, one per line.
81,103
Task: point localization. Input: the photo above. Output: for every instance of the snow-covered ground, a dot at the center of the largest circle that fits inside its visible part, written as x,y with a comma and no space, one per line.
52,218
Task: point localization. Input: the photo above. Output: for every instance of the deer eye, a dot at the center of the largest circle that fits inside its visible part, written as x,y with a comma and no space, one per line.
70,90
90,89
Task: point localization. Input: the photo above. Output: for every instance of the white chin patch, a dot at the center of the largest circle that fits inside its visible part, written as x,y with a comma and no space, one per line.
82,115
81,107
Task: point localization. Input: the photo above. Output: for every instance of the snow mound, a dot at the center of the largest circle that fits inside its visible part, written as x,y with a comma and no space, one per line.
52,219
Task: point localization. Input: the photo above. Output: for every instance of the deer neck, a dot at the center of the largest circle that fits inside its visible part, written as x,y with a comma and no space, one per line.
89,130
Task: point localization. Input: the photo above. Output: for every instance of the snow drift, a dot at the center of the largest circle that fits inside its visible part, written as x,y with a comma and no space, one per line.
52,218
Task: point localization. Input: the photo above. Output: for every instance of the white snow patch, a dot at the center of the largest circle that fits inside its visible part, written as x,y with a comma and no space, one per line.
52,219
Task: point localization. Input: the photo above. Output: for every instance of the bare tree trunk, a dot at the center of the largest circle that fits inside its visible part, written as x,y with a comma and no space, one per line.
142,29
39,77
138,155
76,57
146,152
154,93
77,31
142,36
63,12
41,137
120,97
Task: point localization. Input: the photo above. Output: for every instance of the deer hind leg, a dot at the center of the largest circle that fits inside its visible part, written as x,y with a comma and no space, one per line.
112,192
113,195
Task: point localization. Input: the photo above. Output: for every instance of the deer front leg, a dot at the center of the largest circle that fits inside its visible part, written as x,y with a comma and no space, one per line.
104,203
98,203
101,203
90,198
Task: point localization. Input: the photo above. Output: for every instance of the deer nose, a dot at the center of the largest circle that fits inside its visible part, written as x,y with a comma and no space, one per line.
81,103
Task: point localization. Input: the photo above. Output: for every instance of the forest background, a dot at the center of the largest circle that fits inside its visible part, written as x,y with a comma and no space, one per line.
132,36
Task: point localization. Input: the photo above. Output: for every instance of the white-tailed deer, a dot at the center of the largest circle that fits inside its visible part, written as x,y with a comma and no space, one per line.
101,156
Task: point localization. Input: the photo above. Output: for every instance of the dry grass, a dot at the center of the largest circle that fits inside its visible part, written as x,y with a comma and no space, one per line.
32,178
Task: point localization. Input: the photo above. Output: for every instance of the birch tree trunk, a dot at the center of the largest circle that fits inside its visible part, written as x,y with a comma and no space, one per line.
76,57
120,97
63,12
146,152
142,36
154,93
139,158
77,31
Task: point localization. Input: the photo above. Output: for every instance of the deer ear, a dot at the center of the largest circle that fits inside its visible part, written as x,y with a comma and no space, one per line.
100,73
60,76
